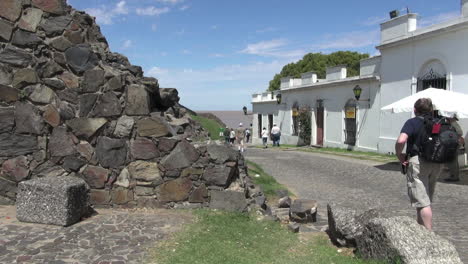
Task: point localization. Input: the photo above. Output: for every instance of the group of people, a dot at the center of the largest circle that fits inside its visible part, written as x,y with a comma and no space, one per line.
237,136
423,173
274,135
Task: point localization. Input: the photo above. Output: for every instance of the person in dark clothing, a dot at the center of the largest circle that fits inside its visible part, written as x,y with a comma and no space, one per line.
226,134
421,175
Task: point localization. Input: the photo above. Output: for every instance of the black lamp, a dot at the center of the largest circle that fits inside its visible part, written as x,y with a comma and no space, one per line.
245,110
278,98
357,92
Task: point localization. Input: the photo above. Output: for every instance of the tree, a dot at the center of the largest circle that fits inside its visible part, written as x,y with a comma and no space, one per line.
318,62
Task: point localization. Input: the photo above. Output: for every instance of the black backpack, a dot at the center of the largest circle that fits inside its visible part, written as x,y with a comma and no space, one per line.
437,140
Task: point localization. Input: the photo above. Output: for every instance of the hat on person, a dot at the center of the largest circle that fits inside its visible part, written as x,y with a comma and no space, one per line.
240,124
274,124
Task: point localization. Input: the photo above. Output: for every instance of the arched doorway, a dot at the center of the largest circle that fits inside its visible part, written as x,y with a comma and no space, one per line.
432,74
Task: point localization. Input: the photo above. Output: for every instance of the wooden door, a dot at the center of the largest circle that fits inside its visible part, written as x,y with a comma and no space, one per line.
319,121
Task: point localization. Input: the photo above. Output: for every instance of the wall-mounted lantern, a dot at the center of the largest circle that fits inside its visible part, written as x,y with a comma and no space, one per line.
357,90
278,98
245,110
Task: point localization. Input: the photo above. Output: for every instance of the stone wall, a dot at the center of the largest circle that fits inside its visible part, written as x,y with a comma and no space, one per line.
70,106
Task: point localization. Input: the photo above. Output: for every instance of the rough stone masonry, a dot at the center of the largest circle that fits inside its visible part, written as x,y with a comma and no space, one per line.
71,107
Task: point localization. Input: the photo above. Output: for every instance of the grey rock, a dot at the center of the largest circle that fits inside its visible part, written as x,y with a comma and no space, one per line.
124,179
28,119
7,119
169,97
56,7
80,58
143,149
167,144
175,190
55,25
86,127
304,211
282,214
144,191
346,225
114,84
8,188
42,94
30,19
95,176
111,153
66,110
293,227
61,43
9,94
145,171
25,77
10,9
219,176
15,169
68,95
12,145
25,39
154,127
52,200
124,126
87,102
6,75
199,195
6,28
85,149
71,163
61,143
108,105
402,239
99,197
138,100
222,154
16,57
93,80
50,69
228,200
75,37
284,202
54,83
181,157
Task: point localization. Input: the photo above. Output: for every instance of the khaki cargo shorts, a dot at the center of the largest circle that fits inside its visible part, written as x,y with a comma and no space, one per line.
422,177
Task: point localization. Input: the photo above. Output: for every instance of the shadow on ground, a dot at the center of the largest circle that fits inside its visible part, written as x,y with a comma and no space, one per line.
390,166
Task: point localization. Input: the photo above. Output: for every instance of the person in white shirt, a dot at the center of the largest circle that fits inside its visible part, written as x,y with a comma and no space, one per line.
276,134
265,137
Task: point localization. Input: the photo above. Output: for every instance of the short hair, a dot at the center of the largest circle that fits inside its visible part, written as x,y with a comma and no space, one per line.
423,106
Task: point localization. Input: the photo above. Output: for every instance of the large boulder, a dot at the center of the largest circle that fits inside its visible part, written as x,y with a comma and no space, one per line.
183,155
228,200
52,200
221,154
219,175
402,239
154,127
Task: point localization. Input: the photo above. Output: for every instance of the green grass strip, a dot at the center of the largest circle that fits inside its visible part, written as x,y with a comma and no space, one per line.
234,238
209,125
267,182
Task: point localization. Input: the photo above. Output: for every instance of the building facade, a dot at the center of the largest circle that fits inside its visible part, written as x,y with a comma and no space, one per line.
411,60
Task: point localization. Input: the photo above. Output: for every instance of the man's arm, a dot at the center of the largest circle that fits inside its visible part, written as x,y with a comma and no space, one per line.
399,146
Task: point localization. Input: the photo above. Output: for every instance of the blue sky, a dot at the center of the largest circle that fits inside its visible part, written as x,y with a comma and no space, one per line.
217,53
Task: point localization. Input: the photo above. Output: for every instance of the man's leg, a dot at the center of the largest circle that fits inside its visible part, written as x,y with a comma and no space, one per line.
454,170
425,217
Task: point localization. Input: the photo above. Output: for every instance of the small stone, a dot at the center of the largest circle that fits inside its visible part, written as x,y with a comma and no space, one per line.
228,200
219,176
85,149
7,118
61,43
293,227
28,118
15,169
191,172
145,171
284,202
70,80
108,106
199,195
181,157
6,75
124,179
25,77
51,6
124,126
12,145
167,144
30,19
50,69
55,25
8,94
114,84
138,101
175,191
15,57
10,9
96,177
153,127
99,197
121,196
93,80
80,58
42,94
143,149
87,102
304,210
51,116
75,37
71,163
61,143
6,29
111,153
86,127
144,191
25,39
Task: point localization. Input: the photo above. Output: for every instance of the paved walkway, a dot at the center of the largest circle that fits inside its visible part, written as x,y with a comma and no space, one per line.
362,185
113,236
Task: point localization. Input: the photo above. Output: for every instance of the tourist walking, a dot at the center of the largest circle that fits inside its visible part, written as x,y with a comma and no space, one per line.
232,136
240,133
265,137
421,174
247,135
226,134
453,166
275,135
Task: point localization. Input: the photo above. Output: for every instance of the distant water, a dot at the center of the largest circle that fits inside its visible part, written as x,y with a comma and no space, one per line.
232,118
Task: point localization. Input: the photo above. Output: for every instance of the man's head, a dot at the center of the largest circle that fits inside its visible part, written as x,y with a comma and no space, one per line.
240,124
423,106
274,124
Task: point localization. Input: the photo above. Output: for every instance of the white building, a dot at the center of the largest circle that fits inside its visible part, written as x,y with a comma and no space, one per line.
411,59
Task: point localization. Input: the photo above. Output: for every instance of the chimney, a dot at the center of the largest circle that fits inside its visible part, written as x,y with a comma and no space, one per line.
398,27
309,78
336,73
464,8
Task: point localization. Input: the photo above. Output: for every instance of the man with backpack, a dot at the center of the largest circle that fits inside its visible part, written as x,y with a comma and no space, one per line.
430,142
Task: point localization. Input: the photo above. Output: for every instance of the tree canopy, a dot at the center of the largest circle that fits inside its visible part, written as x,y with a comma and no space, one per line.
318,62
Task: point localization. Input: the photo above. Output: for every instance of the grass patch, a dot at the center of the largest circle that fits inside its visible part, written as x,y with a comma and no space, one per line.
209,125
234,238
267,182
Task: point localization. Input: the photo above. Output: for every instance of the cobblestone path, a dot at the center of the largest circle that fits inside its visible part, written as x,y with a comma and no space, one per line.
363,184
112,236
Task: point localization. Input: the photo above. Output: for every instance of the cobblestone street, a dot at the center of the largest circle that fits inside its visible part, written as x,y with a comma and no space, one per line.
362,185
112,236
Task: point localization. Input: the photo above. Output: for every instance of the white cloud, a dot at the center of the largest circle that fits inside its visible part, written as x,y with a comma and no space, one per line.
273,48
127,44
152,11
184,7
105,15
428,21
348,40
154,27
